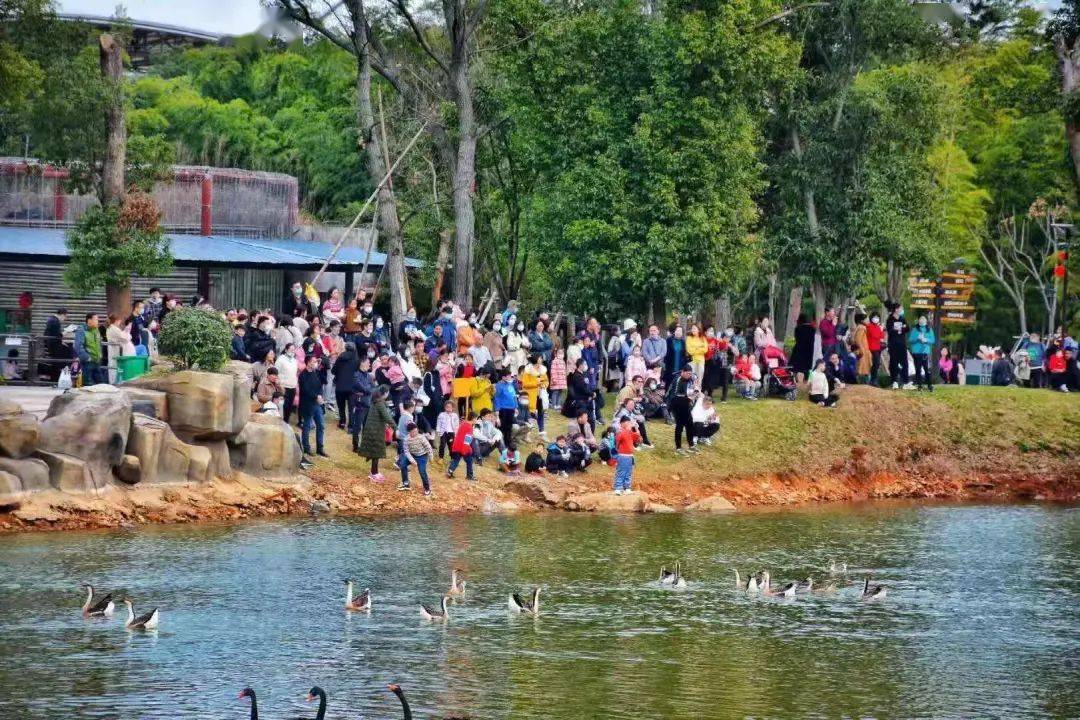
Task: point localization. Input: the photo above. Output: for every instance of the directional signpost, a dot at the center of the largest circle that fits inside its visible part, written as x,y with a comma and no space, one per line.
948,296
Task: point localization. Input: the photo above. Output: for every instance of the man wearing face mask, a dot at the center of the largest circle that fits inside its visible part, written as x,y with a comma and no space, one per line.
296,304
493,341
896,329
921,340
875,337
448,325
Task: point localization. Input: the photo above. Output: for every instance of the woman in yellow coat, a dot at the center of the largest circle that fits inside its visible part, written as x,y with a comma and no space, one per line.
482,393
533,381
860,344
697,347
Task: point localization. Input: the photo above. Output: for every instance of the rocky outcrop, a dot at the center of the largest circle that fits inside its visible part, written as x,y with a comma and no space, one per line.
152,403
69,473
33,474
266,447
163,457
19,432
10,489
608,501
536,491
713,504
92,425
202,405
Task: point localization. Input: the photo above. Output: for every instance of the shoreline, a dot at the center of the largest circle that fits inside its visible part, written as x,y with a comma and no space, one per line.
225,502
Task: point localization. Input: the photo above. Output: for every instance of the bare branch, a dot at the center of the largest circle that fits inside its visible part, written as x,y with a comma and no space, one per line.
418,33
790,11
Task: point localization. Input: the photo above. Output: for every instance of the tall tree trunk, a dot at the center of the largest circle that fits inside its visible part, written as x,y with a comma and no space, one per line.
722,312
772,300
110,58
464,176
442,259
819,300
1069,57
794,307
389,223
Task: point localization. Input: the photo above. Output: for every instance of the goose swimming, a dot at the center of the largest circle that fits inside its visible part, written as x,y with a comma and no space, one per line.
406,712
249,693
835,569
97,607
826,589
875,592
805,587
318,692
360,603
786,591
457,587
666,576
429,614
680,581
148,621
516,603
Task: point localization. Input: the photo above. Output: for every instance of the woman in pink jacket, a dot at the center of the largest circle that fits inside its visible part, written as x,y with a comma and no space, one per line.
557,386
635,366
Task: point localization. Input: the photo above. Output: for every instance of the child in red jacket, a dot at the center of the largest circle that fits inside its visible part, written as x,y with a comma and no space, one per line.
462,448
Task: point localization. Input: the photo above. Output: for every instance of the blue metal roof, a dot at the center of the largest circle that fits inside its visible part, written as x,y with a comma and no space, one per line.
204,250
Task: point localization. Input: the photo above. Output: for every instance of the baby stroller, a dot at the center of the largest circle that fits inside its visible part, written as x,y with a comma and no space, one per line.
780,381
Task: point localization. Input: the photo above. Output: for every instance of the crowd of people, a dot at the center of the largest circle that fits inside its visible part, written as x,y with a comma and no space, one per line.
464,390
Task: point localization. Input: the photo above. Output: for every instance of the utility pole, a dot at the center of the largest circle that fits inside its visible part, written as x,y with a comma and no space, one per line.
938,293
1062,233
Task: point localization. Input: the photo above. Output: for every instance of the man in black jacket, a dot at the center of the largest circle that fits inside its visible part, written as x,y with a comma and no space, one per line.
681,399
344,371
362,390
309,386
896,329
54,342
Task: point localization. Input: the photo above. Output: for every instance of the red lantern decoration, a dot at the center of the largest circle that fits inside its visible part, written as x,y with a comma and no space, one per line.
1059,271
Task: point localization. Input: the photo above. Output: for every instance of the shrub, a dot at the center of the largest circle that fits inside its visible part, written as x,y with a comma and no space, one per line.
195,338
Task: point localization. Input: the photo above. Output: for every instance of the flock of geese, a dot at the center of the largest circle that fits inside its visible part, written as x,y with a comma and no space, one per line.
320,694
103,607
96,606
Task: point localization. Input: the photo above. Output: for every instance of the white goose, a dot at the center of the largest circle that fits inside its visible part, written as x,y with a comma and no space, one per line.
97,607
428,613
516,603
666,576
786,591
751,584
360,603
147,621
457,587
680,581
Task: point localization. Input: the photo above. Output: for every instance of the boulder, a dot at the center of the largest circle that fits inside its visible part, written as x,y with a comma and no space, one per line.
152,403
266,447
713,503
11,489
537,491
163,457
659,508
91,424
19,431
33,474
219,460
130,470
68,473
202,405
608,501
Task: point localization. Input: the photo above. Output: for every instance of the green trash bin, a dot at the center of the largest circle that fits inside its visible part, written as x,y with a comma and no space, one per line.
130,367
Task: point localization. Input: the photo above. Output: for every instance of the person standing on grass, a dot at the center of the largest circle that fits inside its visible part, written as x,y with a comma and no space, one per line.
344,374
875,336
417,452
896,329
446,427
363,390
506,404
802,356
654,352
462,449
309,386
861,344
557,386
827,330
288,372
626,440
697,347
681,398
921,339
373,434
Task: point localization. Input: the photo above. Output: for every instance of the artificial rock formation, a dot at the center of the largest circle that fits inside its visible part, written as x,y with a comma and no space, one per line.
164,458
202,405
19,431
266,447
90,425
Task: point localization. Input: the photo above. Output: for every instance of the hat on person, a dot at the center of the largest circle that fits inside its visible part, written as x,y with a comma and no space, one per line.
628,325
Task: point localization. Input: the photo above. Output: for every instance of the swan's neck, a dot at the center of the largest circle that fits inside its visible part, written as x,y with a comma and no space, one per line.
254,708
445,612
348,593
89,598
322,707
536,600
131,612
406,711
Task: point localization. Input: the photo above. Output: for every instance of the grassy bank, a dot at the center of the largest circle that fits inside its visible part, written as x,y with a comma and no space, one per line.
957,443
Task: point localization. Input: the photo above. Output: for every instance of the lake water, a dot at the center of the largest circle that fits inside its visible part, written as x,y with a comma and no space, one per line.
981,618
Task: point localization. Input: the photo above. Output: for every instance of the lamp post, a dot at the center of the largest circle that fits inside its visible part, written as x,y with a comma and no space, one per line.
1062,233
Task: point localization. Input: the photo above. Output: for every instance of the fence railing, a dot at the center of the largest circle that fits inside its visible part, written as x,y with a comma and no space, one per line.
25,360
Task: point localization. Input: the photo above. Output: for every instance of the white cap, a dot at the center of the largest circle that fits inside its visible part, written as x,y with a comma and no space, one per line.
628,324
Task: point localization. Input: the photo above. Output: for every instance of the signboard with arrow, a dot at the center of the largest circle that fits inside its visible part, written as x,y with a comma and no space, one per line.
948,296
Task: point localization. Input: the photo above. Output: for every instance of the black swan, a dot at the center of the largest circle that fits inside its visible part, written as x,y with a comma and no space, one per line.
249,693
